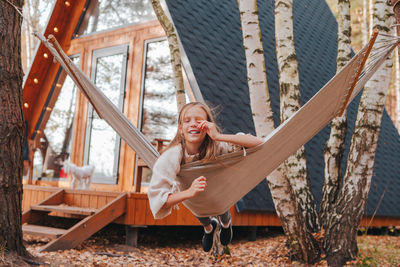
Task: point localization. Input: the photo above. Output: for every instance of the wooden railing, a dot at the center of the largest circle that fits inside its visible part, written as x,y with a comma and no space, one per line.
159,144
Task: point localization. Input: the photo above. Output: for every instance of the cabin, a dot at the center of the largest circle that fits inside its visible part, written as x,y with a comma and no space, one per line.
122,48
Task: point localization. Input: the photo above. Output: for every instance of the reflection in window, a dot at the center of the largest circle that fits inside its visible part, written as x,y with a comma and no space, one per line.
109,14
55,144
159,113
159,110
103,143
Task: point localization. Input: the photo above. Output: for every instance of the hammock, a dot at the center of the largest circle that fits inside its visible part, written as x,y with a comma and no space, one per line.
233,175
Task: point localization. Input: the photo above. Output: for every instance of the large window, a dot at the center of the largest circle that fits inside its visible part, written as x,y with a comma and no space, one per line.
108,14
159,110
56,142
102,144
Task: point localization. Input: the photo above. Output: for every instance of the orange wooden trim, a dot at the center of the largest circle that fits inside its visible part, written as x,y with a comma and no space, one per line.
367,52
110,35
138,211
40,188
62,23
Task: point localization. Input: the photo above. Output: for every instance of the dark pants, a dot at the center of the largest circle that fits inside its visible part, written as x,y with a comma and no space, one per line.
224,218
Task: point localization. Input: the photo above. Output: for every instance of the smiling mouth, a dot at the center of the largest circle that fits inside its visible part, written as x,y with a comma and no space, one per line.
194,132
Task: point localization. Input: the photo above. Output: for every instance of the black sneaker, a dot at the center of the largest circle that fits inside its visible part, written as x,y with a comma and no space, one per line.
208,238
225,234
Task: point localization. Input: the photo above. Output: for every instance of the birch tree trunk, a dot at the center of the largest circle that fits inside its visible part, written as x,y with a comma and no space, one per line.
364,23
302,245
334,147
256,74
175,54
295,165
28,32
340,239
371,16
11,129
396,10
397,87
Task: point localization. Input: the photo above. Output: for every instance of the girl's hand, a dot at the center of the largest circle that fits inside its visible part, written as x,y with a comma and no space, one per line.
198,185
210,128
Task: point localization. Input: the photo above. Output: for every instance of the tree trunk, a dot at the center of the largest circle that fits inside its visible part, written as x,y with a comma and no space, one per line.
364,23
256,74
397,88
11,129
299,238
175,54
371,16
343,220
295,165
396,10
334,147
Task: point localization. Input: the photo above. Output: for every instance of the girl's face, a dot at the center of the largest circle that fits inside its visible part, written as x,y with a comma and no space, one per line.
190,121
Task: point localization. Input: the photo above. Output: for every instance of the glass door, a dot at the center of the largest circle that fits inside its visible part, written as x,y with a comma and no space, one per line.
102,144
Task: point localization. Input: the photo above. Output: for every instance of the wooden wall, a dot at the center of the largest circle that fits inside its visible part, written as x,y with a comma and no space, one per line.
138,210
135,37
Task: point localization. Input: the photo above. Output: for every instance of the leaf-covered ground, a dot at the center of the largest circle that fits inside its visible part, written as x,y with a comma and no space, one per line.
180,246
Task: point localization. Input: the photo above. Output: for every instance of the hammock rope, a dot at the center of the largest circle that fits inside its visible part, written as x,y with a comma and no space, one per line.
233,175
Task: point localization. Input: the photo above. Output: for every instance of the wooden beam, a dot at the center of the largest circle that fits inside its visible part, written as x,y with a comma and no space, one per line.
40,76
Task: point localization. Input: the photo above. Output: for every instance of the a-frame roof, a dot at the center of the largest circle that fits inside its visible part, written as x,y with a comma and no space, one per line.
210,32
39,84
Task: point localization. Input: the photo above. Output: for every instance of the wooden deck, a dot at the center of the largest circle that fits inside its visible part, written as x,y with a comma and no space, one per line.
138,210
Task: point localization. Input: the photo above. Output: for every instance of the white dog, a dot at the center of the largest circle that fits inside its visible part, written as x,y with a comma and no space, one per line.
81,176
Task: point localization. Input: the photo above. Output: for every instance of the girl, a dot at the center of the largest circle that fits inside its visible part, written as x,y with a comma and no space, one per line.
197,138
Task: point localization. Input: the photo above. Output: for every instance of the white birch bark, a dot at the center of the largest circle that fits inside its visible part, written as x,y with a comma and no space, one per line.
396,10
175,54
364,24
397,87
256,74
340,240
295,165
371,16
300,240
334,147
28,32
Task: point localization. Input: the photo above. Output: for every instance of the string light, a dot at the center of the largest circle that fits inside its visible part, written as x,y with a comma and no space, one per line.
59,85
48,108
55,29
26,105
36,81
67,3
45,55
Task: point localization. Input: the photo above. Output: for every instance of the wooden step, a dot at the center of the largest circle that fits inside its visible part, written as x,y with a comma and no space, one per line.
51,232
90,225
65,209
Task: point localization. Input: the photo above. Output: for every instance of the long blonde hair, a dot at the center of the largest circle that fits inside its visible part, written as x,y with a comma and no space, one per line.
208,148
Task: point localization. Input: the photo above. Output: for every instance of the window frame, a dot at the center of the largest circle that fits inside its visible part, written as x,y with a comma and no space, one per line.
98,53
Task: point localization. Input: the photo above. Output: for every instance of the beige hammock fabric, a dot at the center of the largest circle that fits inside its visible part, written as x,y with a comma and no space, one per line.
233,175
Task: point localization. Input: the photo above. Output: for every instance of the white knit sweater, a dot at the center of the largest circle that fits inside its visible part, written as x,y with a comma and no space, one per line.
163,181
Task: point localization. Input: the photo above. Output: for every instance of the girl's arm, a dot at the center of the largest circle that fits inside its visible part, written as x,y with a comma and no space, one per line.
198,185
246,140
